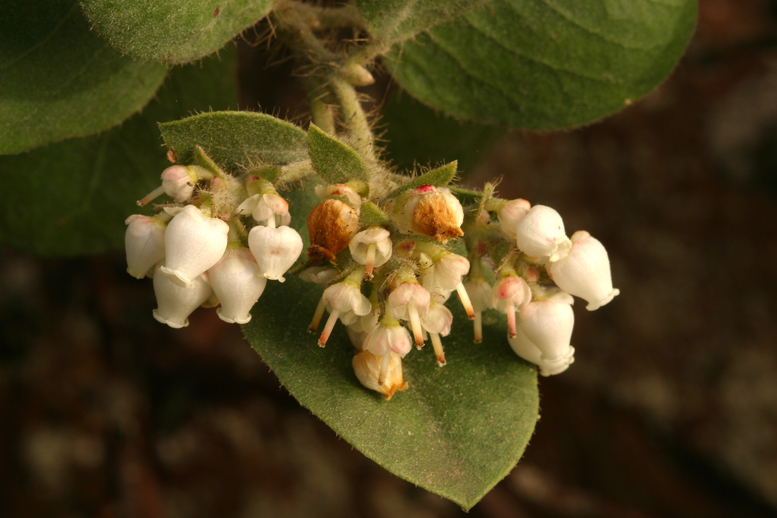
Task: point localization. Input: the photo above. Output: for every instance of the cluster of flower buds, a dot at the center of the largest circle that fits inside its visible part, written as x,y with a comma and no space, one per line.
216,245
383,261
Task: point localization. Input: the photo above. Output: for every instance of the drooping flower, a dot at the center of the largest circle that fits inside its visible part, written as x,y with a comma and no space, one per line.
344,301
540,233
387,336
144,243
510,214
193,243
380,373
174,302
264,206
585,271
509,294
275,249
445,272
372,248
548,324
526,349
238,284
409,301
437,321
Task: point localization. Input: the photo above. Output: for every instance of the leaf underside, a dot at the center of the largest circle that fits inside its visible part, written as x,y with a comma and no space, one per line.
60,80
72,197
172,31
456,431
544,64
236,140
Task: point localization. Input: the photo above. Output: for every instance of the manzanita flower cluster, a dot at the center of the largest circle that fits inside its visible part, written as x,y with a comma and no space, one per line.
384,262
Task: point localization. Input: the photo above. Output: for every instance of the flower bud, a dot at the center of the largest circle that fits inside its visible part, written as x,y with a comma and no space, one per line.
429,211
585,271
510,214
175,303
331,225
238,284
178,182
275,249
548,324
144,243
540,233
193,243
367,368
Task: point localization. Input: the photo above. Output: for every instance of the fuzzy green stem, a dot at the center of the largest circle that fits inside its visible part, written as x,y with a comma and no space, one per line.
353,115
295,171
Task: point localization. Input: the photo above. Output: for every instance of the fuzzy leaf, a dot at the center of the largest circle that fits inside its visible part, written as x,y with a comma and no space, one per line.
439,177
334,160
370,215
59,79
456,431
393,21
544,64
72,197
172,31
236,140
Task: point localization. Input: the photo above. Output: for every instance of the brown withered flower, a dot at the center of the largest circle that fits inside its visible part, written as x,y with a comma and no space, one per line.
331,225
429,211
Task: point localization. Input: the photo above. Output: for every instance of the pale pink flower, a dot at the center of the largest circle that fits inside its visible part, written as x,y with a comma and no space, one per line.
144,243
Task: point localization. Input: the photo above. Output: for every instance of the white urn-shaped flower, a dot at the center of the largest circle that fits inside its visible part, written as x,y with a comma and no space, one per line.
193,243
585,271
275,249
526,349
540,233
144,243
174,302
238,284
510,214
548,324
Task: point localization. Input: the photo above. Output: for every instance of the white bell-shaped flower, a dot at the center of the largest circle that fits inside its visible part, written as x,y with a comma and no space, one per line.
345,301
510,214
445,273
275,249
380,373
371,247
175,303
238,284
410,301
144,243
585,271
540,233
178,182
387,336
193,243
438,319
548,324
526,349
264,206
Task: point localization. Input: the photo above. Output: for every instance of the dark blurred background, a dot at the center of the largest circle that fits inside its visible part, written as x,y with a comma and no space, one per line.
669,410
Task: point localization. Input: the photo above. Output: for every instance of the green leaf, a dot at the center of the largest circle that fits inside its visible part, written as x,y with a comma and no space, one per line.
59,79
439,177
334,160
72,197
544,64
236,140
417,134
456,431
393,21
172,31
370,215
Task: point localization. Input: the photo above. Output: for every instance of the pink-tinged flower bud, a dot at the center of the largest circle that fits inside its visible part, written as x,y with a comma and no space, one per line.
387,336
264,206
510,293
275,249
429,211
368,369
331,192
526,349
175,303
372,248
548,324
193,243
178,182
331,226
238,284
585,271
144,243
540,233
511,214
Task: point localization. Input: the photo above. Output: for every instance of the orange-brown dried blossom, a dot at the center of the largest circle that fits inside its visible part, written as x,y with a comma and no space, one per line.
331,225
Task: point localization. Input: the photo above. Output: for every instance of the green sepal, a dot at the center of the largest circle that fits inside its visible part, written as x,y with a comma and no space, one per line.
439,177
270,173
371,216
203,160
334,160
